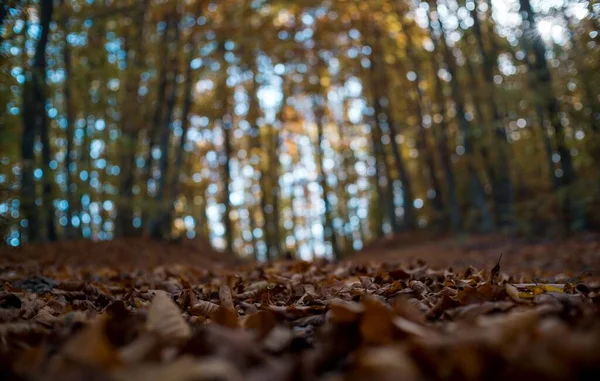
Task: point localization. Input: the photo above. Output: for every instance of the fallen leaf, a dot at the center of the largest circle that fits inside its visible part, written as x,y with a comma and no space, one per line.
90,347
183,369
260,322
203,308
376,324
345,312
225,317
225,298
164,319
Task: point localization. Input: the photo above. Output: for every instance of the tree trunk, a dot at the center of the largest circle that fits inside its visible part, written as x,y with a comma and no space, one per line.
35,122
380,164
149,208
175,185
454,214
275,191
437,201
162,199
501,182
222,96
378,66
476,190
329,233
589,95
129,127
255,144
69,232
541,80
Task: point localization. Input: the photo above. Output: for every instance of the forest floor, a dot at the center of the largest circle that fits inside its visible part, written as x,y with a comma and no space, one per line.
412,308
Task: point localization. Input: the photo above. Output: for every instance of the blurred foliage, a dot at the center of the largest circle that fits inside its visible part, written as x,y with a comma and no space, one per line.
310,126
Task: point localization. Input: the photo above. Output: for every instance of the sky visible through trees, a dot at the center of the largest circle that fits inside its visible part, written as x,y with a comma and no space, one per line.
309,127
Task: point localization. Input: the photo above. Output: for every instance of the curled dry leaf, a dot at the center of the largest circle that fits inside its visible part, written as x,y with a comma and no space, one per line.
251,294
186,299
203,308
165,320
225,298
513,293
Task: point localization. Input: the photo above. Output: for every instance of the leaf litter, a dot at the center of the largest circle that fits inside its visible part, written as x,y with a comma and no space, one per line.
296,320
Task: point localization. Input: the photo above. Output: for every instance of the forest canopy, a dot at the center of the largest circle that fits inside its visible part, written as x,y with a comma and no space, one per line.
306,127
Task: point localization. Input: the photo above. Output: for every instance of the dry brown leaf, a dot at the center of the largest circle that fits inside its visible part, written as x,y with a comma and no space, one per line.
278,339
376,324
495,271
260,322
345,312
226,318
513,293
139,349
165,320
29,362
225,298
90,347
203,308
472,311
407,327
186,299
9,314
21,329
383,363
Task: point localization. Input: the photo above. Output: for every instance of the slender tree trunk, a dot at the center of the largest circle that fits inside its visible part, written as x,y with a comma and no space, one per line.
149,208
175,185
48,190
275,142
542,82
253,112
476,190
69,232
252,227
296,220
129,128
35,121
501,182
342,209
589,95
380,165
548,149
437,200
162,199
387,203
329,233
442,146
480,123
222,95
378,66
227,126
